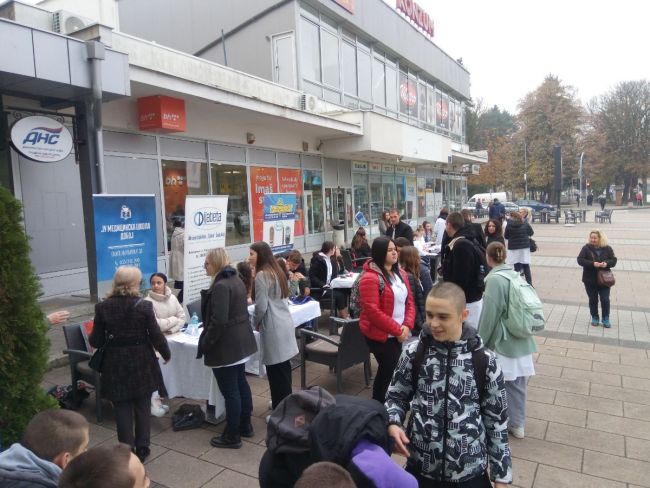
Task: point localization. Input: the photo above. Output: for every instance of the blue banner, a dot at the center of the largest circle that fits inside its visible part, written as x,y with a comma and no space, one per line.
125,234
279,220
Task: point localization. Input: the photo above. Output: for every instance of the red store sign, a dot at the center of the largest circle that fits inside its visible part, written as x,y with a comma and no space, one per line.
161,114
417,14
407,94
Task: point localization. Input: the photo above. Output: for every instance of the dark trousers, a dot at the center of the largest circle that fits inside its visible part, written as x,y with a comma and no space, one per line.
519,267
140,408
236,393
593,292
279,376
478,482
387,354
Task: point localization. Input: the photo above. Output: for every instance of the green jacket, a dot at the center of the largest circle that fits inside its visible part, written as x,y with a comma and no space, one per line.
490,327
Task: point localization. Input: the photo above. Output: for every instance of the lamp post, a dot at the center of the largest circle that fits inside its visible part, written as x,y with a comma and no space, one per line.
525,172
582,154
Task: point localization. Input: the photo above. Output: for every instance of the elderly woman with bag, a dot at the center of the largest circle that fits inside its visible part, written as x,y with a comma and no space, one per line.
126,330
596,257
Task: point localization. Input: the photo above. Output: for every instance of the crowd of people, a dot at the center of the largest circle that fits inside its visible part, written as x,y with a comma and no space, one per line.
435,346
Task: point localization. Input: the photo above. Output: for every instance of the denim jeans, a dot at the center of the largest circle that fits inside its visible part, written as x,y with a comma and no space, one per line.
237,394
594,292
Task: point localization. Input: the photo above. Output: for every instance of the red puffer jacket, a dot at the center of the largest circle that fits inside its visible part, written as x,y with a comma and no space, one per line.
376,321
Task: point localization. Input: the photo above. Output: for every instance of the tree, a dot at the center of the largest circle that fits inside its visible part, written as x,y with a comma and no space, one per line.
549,116
24,347
620,122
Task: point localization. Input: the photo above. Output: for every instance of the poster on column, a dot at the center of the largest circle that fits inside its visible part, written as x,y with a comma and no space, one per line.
279,220
125,235
291,182
205,229
263,180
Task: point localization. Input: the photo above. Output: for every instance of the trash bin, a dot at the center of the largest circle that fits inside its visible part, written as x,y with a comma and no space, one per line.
338,234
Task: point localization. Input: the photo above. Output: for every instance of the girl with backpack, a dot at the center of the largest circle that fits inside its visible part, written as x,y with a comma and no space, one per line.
419,281
514,352
387,311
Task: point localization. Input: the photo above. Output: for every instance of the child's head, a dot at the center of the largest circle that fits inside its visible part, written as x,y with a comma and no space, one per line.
445,312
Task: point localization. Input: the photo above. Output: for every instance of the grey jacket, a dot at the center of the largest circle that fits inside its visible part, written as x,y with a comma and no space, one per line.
21,468
273,320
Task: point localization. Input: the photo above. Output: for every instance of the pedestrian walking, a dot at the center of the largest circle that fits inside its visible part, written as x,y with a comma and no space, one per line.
602,201
594,256
514,353
518,234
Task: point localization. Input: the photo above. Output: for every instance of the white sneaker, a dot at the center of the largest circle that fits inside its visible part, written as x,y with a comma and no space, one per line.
158,410
517,432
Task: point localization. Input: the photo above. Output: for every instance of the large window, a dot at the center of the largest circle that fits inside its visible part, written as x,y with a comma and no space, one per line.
365,84
391,86
331,68
349,55
360,184
231,180
378,82
313,195
376,201
310,49
390,194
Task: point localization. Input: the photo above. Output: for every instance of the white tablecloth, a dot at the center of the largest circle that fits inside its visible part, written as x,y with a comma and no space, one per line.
186,376
345,281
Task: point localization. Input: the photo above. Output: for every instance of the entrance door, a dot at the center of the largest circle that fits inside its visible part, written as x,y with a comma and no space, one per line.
284,65
308,205
340,209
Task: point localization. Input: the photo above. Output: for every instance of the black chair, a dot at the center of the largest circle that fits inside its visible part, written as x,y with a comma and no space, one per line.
537,216
194,308
553,215
569,217
604,215
337,352
347,259
79,353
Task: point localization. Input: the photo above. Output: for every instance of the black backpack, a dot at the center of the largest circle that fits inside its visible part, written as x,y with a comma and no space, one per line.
479,257
187,417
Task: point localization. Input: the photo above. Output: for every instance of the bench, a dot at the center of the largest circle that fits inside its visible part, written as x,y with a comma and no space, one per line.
604,215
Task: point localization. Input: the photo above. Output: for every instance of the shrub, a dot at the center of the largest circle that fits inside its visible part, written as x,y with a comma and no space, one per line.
23,344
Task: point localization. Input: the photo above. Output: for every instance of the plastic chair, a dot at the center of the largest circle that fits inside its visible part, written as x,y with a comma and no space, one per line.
337,352
79,352
195,308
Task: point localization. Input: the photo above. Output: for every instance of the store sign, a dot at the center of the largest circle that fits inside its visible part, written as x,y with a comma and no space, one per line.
410,171
41,139
359,166
161,114
388,169
400,170
346,4
375,167
417,14
407,94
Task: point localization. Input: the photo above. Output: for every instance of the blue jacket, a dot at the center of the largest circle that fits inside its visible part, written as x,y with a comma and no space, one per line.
21,468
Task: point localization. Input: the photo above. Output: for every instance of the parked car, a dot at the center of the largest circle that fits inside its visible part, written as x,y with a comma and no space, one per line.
511,207
535,205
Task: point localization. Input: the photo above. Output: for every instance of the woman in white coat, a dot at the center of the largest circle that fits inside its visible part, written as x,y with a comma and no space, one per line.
170,317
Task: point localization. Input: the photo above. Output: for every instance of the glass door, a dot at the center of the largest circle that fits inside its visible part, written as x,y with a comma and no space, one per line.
308,205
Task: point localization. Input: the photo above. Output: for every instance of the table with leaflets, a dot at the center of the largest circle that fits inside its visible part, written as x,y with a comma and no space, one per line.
344,281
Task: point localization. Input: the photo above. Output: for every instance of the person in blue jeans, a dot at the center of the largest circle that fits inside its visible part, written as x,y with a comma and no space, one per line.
594,256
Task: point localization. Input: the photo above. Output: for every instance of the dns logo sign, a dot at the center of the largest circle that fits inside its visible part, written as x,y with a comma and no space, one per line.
41,139
207,218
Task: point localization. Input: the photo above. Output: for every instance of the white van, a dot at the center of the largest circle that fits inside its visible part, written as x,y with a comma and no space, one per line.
486,198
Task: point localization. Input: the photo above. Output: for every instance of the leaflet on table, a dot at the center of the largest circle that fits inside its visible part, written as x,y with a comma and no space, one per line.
205,229
125,235
279,220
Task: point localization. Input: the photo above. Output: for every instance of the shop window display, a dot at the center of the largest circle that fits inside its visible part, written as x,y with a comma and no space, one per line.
231,180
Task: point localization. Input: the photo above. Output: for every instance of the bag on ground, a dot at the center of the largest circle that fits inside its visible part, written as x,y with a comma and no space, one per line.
187,417
524,314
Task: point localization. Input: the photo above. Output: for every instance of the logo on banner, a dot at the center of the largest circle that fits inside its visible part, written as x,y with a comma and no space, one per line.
207,218
125,213
407,94
41,139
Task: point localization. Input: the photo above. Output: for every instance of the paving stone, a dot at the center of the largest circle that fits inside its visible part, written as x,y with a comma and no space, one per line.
602,357
622,369
584,346
554,350
552,477
560,384
635,361
523,472
579,437
564,362
625,394
637,449
177,469
636,383
535,428
636,411
545,452
618,425
245,460
616,468
193,442
641,353
541,395
592,376
594,404
548,370
556,413
99,434
232,479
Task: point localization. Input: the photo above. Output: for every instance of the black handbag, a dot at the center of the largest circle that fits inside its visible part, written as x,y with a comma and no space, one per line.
187,417
533,245
96,361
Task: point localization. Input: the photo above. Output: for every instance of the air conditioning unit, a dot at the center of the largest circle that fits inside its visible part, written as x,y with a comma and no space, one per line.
65,22
307,102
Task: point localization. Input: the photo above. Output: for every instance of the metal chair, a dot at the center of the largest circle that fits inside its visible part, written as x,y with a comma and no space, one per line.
79,352
537,216
569,217
604,215
337,352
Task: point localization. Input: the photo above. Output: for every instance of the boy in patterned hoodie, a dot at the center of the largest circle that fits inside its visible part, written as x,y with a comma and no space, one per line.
454,430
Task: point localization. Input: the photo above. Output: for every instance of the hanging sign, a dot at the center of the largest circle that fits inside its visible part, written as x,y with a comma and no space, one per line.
41,139
160,113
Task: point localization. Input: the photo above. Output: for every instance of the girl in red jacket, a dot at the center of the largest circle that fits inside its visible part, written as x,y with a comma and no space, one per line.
387,311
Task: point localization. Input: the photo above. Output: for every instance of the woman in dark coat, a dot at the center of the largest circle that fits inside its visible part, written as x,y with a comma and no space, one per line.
596,255
518,234
130,369
409,261
494,232
360,248
324,268
226,343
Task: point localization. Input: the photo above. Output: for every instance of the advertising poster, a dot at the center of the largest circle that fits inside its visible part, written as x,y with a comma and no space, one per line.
263,180
429,203
279,220
125,235
290,181
205,229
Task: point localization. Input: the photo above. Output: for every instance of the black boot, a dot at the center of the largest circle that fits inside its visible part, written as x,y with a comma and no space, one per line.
226,440
142,453
246,428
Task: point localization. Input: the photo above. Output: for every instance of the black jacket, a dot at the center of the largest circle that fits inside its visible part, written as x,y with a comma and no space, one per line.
418,300
460,265
402,229
518,235
477,231
318,272
130,367
490,238
227,335
586,260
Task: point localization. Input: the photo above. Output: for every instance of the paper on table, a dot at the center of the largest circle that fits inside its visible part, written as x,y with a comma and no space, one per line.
183,338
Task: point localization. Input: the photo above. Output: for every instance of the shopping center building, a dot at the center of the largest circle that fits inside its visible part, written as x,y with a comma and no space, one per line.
347,103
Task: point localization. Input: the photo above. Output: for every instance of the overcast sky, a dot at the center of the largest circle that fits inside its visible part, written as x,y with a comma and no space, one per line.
510,46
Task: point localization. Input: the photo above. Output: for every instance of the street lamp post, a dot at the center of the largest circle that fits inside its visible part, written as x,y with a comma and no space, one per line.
582,154
525,172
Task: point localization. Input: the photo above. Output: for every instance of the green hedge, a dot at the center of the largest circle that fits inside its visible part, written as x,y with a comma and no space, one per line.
23,343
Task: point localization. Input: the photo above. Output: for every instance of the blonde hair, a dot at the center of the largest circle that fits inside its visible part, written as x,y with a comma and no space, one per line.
528,210
126,282
516,216
219,258
602,238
